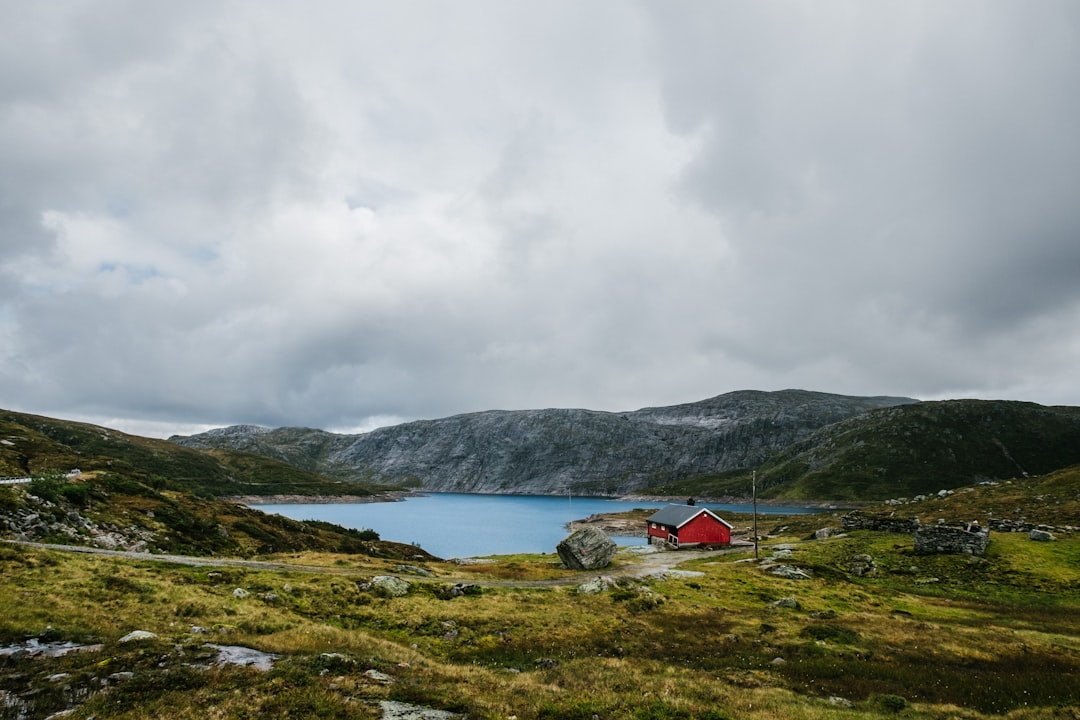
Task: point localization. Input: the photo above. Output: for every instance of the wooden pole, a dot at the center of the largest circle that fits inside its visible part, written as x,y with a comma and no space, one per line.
753,485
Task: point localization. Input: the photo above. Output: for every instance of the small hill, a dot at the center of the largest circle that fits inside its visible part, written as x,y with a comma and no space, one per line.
144,495
32,444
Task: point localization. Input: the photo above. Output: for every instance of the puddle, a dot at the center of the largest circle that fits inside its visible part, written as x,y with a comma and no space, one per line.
35,648
247,657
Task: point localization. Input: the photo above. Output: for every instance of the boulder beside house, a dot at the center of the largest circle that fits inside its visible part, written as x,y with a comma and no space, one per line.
687,526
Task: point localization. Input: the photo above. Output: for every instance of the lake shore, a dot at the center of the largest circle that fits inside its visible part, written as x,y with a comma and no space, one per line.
393,496
399,495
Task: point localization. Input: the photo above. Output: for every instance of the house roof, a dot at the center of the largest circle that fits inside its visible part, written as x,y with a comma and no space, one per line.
679,515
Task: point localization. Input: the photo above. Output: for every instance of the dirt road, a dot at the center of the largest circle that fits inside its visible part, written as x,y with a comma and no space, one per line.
647,563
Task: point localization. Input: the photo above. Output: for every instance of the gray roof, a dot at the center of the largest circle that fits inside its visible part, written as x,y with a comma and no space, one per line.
679,515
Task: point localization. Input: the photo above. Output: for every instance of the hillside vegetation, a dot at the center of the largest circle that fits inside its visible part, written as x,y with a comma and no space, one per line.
905,451
875,631
32,444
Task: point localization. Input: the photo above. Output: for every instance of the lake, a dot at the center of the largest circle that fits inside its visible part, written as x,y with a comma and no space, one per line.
453,525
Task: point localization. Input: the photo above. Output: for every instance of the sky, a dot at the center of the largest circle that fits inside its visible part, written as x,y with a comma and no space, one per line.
350,214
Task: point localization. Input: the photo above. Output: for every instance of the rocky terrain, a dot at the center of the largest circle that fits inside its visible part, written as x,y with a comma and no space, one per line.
552,451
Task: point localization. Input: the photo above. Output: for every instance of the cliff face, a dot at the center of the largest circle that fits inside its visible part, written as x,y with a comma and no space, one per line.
552,451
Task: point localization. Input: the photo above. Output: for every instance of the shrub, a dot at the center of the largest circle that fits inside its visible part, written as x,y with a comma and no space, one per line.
891,703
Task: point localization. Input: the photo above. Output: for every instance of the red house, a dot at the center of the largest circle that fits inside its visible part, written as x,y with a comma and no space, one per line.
687,525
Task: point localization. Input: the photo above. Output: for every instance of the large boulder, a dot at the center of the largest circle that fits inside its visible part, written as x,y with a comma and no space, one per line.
587,549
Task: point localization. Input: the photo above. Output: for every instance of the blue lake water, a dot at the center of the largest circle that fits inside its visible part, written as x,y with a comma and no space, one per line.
458,525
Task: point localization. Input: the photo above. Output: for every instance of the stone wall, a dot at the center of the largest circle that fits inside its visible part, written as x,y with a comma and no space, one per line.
968,539
881,522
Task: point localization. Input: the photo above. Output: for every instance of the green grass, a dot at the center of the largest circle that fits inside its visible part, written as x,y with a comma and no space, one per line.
1003,640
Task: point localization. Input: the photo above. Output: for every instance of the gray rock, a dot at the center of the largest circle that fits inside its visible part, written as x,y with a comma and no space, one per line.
860,565
787,602
393,710
1040,535
379,677
240,593
137,635
788,572
587,549
390,586
595,586
827,532
414,570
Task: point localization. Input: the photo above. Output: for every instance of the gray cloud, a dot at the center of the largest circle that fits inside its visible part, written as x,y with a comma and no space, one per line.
331,216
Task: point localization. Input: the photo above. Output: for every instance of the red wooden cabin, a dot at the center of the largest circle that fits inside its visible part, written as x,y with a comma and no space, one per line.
688,525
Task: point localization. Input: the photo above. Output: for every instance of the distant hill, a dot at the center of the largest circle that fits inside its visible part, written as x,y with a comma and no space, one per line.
924,448
553,451
32,444
907,450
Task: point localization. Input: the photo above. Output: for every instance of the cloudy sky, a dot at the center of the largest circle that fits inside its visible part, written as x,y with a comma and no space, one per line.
345,214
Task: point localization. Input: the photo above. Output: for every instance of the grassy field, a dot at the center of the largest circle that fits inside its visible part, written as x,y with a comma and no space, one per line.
920,637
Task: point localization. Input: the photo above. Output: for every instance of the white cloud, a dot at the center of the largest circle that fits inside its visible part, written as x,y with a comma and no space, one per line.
329,215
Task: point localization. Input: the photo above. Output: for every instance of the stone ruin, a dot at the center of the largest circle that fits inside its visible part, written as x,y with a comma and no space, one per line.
881,522
967,539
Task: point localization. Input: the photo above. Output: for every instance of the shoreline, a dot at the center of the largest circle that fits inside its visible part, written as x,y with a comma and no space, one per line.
248,500
400,495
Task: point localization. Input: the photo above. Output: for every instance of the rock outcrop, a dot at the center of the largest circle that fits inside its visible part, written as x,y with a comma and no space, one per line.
587,549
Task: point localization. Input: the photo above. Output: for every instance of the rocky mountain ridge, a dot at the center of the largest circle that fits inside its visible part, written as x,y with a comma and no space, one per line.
558,450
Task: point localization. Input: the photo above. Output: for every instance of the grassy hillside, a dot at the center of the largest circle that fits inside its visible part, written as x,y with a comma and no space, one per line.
908,450
31,444
110,511
918,637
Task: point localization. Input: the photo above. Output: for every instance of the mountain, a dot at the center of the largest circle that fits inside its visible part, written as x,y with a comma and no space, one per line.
924,448
552,451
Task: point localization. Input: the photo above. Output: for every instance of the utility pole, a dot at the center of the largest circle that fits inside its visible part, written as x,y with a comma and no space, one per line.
753,489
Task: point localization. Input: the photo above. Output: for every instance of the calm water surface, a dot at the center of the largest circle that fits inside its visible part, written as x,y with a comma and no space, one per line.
457,525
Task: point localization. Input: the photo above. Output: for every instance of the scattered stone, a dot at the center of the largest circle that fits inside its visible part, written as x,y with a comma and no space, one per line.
859,520
379,677
198,630
240,593
414,570
789,572
587,549
783,554
136,635
595,586
1041,535
827,532
121,676
777,661
389,586
393,710
840,702
787,602
861,565
243,656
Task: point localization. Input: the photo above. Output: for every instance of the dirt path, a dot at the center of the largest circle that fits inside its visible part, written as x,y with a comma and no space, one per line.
647,564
